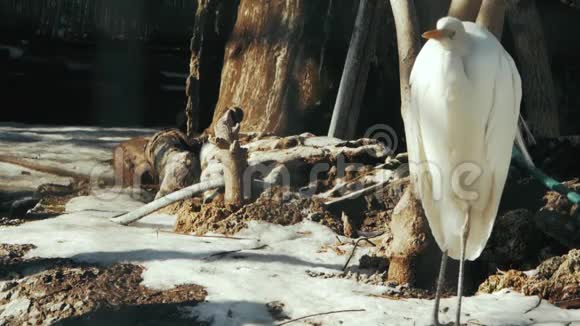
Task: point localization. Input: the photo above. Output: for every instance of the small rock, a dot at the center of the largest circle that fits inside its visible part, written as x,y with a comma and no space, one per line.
314,217
37,293
276,309
57,306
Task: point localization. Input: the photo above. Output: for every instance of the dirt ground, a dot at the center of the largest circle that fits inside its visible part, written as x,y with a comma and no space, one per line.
60,291
557,279
70,293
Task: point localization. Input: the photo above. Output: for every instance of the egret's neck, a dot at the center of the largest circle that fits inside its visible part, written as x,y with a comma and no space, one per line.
459,45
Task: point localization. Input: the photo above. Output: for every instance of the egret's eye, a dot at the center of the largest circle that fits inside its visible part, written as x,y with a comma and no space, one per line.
451,34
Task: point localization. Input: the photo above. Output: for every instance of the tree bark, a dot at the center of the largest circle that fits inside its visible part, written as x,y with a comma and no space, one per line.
233,157
192,109
465,10
539,95
491,15
354,78
130,163
174,160
273,66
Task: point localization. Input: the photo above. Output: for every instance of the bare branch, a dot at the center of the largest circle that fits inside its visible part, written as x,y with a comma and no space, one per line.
408,44
491,16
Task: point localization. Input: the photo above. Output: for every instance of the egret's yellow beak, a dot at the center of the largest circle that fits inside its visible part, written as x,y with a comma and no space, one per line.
435,34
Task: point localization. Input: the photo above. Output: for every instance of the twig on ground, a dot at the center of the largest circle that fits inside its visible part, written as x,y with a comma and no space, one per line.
474,322
354,249
207,236
356,194
225,253
535,306
321,314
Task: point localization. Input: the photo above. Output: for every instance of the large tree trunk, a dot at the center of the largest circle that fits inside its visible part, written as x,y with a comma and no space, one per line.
273,66
534,64
213,22
464,9
192,109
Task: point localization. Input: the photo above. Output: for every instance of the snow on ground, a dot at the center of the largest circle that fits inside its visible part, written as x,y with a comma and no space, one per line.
239,284
78,149
16,178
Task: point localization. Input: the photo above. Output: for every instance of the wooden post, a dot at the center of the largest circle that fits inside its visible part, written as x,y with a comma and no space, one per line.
231,154
409,223
408,45
491,15
355,73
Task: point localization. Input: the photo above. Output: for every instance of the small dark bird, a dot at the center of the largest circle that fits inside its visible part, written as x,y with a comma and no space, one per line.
228,126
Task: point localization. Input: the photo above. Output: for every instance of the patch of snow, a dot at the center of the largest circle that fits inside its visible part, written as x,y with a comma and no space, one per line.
241,275
84,150
241,283
14,178
322,141
15,308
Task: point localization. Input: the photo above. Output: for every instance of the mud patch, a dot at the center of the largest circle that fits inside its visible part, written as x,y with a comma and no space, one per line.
8,221
394,291
65,292
48,200
556,280
278,207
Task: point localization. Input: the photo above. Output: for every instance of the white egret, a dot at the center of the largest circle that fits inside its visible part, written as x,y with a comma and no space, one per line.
461,125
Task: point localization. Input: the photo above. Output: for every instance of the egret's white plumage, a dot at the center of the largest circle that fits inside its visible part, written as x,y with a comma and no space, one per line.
461,125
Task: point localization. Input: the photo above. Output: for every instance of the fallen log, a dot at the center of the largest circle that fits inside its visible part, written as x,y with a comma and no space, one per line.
167,200
173,157
130,163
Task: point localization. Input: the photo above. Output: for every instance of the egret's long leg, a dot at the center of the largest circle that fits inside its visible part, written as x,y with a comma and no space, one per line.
465,234
440,280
